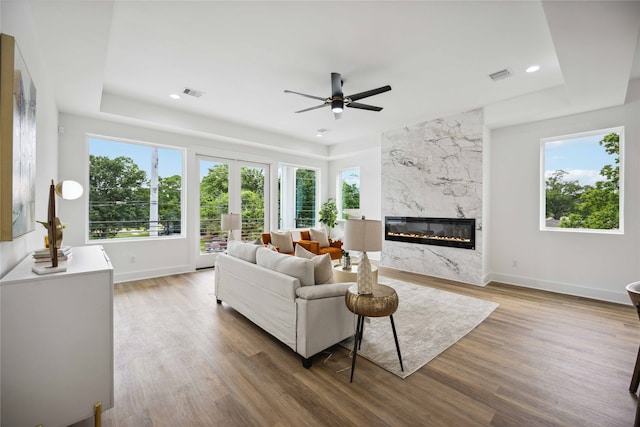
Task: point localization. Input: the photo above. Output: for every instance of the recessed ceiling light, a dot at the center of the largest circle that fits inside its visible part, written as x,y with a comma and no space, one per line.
533,69
174,96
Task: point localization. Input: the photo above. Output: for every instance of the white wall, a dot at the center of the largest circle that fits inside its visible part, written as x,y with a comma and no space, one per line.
160,256
15,21
369,162
585,264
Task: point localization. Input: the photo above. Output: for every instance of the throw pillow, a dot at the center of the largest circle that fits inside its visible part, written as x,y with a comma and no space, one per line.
322,268
320,236
300,268
283,240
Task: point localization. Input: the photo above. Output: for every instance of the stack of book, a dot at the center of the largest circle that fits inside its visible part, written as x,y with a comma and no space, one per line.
44,255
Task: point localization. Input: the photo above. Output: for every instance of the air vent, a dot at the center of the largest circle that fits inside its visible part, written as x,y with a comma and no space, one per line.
193,92
499,75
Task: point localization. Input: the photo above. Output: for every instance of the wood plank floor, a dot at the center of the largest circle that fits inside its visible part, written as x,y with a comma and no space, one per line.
540,359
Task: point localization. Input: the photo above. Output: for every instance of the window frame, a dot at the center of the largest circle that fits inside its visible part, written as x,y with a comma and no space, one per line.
542,202
340,196
278,216
183,191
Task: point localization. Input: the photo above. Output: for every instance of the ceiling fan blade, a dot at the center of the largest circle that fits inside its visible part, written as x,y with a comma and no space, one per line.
364,106
369,93
304,94
312,108
336,84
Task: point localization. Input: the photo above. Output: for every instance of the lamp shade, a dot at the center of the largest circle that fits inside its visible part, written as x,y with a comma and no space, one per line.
231,221
363,235
69,190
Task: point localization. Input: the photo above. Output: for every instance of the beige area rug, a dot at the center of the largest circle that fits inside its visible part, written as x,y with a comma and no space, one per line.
428,321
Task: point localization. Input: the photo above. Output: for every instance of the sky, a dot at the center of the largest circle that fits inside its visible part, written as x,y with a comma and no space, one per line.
582,157
169,161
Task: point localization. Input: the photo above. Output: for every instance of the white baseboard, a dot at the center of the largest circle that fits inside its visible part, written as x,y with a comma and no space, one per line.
620,297
150,274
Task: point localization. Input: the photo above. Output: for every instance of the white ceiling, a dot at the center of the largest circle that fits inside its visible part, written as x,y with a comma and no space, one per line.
121,60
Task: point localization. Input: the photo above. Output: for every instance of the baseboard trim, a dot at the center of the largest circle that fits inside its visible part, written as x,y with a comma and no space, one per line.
561,288
150,274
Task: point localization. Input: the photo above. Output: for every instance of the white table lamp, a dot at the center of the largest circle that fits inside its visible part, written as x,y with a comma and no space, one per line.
363,235
231,221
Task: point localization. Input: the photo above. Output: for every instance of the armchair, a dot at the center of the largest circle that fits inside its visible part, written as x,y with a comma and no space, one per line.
334,249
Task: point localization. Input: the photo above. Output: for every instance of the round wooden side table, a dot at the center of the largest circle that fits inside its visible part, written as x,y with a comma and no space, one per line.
340,275
382,302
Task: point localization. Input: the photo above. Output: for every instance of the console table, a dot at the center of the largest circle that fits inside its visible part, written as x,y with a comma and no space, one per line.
57,341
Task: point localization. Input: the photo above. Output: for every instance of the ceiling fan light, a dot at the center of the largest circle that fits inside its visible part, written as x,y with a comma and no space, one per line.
336,106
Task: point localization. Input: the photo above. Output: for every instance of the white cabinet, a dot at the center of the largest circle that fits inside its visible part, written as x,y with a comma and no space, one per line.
57,341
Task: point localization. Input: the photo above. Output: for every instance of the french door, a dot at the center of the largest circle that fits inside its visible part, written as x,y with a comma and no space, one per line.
229,186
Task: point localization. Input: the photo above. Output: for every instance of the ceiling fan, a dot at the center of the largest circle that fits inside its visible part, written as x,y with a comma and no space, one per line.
338,101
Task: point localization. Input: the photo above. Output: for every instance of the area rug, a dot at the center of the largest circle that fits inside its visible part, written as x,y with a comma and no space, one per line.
428,321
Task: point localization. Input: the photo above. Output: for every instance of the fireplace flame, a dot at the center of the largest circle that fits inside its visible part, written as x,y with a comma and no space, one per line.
429,237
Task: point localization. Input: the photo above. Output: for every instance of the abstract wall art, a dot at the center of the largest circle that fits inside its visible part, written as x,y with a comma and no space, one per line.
17,142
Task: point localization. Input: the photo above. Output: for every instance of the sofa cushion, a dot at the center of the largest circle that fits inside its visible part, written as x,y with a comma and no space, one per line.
244,251
320,236
322,268
300,268
283,240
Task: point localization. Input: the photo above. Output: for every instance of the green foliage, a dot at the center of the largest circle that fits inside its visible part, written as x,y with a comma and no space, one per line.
118,196
305,197
214,198
350,196
169,207
592,207
329,213
561,196
252,196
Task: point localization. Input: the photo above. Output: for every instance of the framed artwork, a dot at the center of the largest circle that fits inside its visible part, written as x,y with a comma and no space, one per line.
17,143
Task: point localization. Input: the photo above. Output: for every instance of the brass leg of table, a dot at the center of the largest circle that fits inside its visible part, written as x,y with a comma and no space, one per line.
395,337
357,339
97,412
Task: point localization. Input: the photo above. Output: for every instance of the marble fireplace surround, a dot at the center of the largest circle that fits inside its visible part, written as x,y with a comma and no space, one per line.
435,169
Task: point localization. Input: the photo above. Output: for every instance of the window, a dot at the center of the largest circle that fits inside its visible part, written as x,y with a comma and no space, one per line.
297,195
349,192
135,190
231,186
583,181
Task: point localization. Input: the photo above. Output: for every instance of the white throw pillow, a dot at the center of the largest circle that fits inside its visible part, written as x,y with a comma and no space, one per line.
293,266
283,240
322,268
244,251
320,236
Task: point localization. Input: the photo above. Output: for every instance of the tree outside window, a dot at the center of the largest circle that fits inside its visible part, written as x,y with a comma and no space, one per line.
297,197
349,185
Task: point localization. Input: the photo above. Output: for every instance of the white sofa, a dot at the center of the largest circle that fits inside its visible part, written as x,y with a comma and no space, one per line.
278,293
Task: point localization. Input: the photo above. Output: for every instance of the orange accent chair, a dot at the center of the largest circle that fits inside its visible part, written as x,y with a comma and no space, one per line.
334,250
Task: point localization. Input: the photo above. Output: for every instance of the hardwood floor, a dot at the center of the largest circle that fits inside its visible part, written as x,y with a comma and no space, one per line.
540,359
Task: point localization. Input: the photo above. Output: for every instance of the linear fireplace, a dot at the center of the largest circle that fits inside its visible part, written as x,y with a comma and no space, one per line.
452,232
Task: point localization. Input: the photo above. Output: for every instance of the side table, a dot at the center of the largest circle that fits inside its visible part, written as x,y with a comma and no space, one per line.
340,275
382,302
